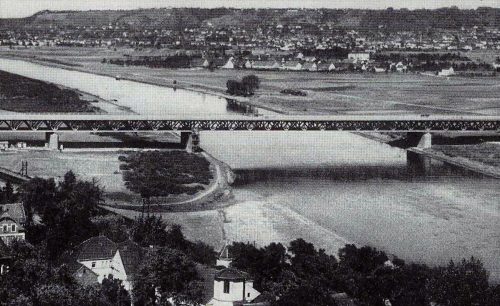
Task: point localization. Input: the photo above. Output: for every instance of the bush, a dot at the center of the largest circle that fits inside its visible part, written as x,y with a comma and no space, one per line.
294,92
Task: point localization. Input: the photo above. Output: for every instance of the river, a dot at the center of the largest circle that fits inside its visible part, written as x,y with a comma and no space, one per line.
330,188
141,98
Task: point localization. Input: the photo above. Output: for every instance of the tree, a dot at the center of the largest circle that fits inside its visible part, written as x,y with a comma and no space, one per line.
306,295
364,260
464,283
167,274
38,195
115,227
150,231
7,194
113,292
252,81
65,210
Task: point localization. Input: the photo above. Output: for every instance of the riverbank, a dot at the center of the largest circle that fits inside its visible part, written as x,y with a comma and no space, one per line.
327,93
483,158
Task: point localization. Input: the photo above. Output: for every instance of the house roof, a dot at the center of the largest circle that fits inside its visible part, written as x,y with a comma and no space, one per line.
291,64
232,274
14,211
264,63
96,248
85,276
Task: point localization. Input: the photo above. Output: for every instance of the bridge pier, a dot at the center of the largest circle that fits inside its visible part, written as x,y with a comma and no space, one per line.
419,140
418,164
52,140
190,141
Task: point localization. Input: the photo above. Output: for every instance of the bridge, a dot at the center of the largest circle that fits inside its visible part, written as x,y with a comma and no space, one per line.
137,123
9,175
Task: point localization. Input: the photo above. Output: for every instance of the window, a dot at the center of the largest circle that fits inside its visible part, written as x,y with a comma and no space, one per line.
13,227
93,264
248,294
5,228
226,286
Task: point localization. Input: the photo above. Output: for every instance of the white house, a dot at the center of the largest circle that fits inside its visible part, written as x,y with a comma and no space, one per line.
248,64
292,66
232,286
266,65
12,219
310,67
358,56
400,67
447,72
104,257
229,64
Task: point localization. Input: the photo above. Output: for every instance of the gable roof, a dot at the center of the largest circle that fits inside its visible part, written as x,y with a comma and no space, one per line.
13,210
232,274
96,248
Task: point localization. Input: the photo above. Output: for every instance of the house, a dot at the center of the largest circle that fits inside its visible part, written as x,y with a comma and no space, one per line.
310,67
358,56
400,67
326,67
309,58
98,257
4,145
447,72
266,65
229,64
379,69
292,66
232,287
197,62
12,219
248,64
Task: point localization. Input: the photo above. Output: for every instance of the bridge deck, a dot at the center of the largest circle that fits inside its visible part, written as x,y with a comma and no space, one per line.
135,123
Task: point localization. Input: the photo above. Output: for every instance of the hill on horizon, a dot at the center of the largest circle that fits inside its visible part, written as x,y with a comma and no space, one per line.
179,18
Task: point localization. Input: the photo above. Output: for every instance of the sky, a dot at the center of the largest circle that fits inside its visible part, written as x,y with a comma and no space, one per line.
23,8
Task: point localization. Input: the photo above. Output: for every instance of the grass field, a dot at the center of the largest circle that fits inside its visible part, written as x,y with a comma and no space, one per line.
326,92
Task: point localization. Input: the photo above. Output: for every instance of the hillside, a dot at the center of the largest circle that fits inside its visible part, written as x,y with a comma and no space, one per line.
179,18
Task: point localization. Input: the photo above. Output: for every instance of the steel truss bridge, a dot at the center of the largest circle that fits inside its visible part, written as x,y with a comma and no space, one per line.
138,123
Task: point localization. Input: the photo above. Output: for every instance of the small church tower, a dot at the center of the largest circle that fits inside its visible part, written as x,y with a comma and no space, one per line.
224,260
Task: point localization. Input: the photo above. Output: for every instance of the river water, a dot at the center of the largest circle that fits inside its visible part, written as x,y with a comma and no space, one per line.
141,98
331,187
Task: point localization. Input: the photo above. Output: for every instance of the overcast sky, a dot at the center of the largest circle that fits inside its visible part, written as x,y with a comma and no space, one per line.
22,8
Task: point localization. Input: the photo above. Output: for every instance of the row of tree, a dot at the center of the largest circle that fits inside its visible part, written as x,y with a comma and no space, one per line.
246,87
303,275
174,61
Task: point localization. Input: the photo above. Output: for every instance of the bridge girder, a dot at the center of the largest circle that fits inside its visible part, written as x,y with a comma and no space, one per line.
127,125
